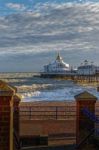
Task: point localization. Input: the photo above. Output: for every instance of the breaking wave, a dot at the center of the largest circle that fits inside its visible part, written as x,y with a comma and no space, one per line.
67,93
39,89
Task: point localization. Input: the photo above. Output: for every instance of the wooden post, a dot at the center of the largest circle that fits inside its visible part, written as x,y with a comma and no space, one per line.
83,123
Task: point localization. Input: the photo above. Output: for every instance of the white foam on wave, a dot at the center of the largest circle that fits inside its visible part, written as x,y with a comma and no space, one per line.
39,89
67,93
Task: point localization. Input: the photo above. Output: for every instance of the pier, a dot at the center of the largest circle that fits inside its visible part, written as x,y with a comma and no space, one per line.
86,72
74,77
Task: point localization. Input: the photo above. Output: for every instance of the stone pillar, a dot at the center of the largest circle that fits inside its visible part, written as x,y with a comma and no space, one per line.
6,116
83,123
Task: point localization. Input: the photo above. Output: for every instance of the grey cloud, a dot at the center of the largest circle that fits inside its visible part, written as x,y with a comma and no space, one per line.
16,6
65,27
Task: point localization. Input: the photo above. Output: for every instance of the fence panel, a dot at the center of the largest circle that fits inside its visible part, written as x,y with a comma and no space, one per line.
47,112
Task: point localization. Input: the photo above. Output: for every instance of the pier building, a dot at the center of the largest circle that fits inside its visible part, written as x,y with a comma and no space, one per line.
86,69
57,66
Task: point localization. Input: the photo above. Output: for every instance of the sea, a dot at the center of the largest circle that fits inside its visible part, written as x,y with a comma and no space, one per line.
33,88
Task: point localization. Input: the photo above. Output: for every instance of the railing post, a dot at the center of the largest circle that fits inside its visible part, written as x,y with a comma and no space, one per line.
30,113
56,112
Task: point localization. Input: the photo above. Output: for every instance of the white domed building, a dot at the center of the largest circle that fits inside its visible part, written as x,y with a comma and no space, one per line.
87,69
58,66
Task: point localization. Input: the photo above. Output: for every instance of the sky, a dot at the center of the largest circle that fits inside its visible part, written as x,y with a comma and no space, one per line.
32,32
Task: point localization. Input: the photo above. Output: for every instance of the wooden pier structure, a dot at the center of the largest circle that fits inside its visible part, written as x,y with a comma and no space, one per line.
74,77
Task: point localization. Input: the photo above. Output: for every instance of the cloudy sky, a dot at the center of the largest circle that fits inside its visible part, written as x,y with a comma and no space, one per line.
33,31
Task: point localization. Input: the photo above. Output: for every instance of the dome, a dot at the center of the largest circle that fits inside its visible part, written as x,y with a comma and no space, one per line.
65,64
58,65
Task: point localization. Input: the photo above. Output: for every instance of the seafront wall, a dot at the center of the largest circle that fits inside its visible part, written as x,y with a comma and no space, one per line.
46,115
51,119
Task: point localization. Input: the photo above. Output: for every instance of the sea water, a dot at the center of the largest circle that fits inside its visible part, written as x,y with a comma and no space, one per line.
33,88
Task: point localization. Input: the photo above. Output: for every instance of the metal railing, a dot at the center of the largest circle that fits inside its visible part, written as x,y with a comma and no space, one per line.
47,112
50,112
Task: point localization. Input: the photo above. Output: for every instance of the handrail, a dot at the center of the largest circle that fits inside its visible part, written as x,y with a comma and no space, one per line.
54,112
85,139
17,141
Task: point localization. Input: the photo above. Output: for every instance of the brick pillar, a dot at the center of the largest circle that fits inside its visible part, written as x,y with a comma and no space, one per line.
83,123
16,113
6,116
16,122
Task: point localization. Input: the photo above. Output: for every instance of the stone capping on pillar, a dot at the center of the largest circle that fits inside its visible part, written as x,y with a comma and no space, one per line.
85,96
6,90
17,98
